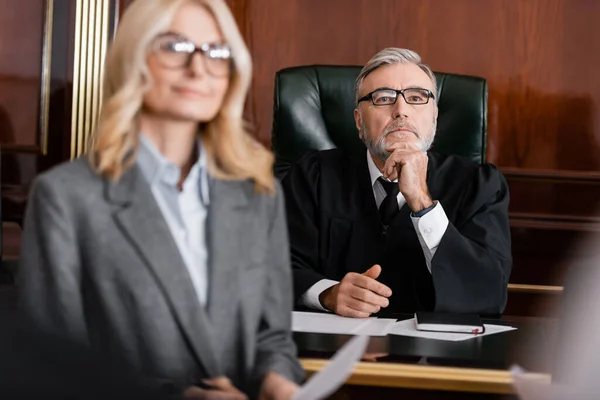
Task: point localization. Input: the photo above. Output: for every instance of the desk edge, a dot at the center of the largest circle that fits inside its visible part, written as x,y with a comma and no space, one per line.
427,377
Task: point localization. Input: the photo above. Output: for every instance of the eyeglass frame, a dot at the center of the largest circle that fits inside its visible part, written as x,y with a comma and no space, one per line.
369,96
203,50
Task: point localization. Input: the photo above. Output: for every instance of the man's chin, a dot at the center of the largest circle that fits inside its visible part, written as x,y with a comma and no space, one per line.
401,136
392,139
413,140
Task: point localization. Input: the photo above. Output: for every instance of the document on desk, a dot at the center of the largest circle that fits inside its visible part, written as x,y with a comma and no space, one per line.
331,323
409,328
330,378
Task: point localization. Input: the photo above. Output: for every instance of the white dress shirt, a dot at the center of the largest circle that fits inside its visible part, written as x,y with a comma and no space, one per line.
430,229
184,211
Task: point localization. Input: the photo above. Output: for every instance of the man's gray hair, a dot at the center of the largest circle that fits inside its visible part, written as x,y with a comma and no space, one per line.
392,55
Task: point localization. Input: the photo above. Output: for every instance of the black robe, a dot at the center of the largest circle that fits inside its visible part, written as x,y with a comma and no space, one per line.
335,228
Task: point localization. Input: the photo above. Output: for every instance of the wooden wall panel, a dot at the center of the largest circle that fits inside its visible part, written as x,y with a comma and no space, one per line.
542,108
33,78
37,62
16,57
21,72
20,79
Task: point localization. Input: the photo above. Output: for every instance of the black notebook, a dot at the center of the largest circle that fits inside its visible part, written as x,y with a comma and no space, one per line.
445,322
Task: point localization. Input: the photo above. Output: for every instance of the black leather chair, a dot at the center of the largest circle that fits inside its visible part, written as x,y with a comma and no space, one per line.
314,110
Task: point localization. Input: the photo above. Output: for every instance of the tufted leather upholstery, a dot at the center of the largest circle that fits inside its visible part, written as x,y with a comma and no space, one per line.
314,110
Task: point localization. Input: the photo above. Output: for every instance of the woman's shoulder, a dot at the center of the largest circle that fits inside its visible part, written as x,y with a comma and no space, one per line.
71,176
261,198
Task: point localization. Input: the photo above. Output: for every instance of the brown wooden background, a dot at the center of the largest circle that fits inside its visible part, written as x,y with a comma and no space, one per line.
538,56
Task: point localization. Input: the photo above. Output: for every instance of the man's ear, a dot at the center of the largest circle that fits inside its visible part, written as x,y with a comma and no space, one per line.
357,121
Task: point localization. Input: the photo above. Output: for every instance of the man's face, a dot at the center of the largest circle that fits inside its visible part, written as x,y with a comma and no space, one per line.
381,126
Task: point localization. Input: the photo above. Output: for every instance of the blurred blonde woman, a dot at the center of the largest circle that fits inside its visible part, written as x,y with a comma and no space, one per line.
166,246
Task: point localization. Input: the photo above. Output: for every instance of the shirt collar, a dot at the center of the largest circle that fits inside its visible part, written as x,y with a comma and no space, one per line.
374,172
156,168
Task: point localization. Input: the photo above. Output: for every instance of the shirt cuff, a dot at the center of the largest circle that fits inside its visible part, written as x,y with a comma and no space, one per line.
431,226
424,211
310,298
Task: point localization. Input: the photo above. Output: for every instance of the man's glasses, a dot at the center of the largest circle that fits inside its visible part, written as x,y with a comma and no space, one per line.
175,51
386,96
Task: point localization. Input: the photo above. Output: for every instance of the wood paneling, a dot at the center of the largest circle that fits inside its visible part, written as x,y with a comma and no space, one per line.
16,57
21,72
34,80
537,55
36,85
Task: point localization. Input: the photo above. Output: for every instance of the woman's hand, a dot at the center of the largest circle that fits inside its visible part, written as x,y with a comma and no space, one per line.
276,387
221,388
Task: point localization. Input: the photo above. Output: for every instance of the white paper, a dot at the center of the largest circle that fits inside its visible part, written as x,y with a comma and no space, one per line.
408,328
330,378
376,327
331,323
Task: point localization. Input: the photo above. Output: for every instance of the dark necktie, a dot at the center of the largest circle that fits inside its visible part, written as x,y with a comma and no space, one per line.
389,206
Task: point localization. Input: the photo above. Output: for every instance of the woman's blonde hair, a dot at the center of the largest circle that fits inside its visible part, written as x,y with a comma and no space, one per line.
232,152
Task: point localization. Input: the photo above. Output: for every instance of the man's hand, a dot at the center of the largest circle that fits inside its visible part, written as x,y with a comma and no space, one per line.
276,387
357,295
408,164
221,389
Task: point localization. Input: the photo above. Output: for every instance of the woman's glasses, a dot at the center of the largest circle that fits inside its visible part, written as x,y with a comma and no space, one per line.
175,51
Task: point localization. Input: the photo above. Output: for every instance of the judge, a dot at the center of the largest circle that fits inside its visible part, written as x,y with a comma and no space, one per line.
400,228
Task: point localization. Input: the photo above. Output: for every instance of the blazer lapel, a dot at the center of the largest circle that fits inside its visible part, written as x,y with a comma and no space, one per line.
141,220
227,216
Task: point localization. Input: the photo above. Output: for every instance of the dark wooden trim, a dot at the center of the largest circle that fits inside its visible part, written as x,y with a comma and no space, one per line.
21,148
554,221
554,217
532,224
555,225
565,176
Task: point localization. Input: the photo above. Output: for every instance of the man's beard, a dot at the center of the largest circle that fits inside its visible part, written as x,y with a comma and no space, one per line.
378,146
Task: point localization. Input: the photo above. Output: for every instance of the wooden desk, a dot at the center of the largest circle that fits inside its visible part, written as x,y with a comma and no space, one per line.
439,369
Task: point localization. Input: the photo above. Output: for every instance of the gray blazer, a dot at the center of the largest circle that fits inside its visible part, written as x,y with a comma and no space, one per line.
100,267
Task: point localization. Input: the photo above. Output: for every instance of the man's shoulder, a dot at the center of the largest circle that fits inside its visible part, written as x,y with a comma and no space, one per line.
456,170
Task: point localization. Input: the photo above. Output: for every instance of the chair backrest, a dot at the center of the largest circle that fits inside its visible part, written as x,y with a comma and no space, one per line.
314,110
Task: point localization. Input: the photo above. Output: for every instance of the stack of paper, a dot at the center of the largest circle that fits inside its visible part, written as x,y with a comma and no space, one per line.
331,323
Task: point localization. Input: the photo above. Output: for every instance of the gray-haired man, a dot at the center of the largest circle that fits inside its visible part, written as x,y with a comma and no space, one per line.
400,228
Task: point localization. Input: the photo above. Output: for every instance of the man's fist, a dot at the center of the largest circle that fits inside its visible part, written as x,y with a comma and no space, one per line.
357,295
